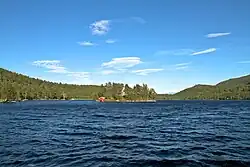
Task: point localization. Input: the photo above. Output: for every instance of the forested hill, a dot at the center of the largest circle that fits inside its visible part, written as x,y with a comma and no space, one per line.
232,89
15,86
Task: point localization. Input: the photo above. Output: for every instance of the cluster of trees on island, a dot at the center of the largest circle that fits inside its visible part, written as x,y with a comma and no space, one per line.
119,91
15,86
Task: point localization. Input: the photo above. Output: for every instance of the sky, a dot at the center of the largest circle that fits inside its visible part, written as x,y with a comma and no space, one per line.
168,44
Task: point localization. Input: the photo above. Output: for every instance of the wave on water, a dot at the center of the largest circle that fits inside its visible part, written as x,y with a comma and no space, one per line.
165,133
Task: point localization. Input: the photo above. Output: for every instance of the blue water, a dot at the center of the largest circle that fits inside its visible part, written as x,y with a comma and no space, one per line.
87,133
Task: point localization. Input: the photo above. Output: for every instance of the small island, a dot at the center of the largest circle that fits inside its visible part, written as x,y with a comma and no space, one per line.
17,87
118,92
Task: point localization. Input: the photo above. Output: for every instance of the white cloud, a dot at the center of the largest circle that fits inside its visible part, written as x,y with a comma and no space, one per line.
147,71
182,64
108,72
58,70
139,20
122,63
214,35
100,27
204,51
178,52
53,65
110,41
181,67
86,43
38,62
244,62
79,74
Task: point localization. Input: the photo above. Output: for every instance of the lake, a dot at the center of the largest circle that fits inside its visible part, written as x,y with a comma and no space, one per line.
88,133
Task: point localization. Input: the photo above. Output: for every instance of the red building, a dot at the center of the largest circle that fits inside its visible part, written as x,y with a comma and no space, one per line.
101,99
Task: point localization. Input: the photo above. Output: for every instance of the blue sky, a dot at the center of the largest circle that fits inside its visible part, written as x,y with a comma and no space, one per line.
168,44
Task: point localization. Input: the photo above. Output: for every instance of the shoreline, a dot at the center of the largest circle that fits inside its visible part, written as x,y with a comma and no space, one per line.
127,101
119,101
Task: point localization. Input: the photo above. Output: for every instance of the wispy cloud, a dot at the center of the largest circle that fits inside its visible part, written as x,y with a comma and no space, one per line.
147,71
110,41
79,74
122,63
86,43
214,35
178,52
139,20
53,65
210,50
181,66
100,27
244,62
108,72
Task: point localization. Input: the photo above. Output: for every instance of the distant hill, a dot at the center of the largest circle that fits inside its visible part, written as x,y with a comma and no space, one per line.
14,86
232,89
234,82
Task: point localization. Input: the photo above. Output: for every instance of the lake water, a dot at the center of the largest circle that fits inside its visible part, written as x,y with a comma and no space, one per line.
88,133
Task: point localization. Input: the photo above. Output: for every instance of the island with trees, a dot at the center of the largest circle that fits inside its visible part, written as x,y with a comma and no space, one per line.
18,87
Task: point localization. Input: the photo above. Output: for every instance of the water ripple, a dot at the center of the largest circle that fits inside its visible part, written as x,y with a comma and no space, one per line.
87,133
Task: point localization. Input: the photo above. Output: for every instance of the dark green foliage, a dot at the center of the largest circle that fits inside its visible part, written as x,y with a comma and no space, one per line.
15,86
139,92
119,91
232,89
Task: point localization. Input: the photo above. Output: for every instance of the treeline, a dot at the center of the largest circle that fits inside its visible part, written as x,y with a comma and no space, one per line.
119,91
232,89
15,86
216,93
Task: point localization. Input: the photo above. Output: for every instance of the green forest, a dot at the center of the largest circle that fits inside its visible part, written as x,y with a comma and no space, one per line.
232,89
15,87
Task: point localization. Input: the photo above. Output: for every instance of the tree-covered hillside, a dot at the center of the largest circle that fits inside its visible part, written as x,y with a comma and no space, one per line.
232,89
15,86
